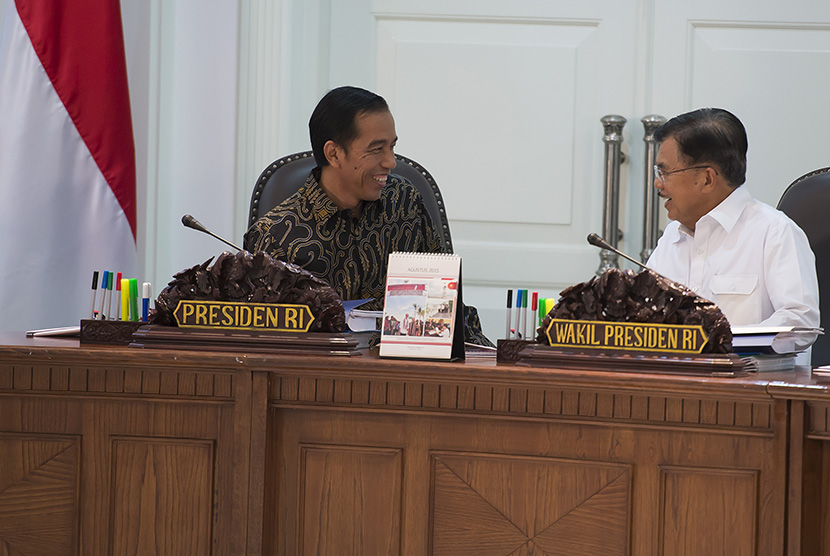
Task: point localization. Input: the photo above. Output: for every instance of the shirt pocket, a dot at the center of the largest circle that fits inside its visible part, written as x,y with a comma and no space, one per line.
733,284
733,294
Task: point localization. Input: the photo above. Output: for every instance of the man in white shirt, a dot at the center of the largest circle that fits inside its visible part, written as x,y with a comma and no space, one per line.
747,257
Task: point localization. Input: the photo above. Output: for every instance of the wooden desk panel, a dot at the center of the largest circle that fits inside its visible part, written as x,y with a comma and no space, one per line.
113,452
118,450
500,484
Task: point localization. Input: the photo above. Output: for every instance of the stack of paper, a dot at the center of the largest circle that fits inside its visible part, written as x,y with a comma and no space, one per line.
770,362
772,339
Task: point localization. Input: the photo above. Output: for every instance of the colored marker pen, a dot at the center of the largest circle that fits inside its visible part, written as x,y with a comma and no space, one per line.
524,314
517,312
509,306
109,294
145,301
94,291
104,282
118,296
133,299
125,299
534,302
549,303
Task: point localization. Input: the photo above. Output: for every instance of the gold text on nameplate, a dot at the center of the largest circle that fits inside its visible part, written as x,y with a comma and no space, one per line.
243,316
628,336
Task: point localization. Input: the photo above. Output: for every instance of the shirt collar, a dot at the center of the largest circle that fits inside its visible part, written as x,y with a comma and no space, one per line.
729,210
726,214
324,208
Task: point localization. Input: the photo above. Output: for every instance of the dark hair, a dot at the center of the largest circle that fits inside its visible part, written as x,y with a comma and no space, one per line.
710,136
333,118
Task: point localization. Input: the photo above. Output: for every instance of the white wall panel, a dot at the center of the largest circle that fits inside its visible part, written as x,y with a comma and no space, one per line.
460,89
502,104
764,61
771,74
195,132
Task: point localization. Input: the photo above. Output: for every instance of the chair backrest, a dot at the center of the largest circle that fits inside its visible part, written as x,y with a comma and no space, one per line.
806,202
283,177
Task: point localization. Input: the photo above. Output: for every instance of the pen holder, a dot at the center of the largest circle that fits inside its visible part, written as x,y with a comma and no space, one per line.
109,332
509,350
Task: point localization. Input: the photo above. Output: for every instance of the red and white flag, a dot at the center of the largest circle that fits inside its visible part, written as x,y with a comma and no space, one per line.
67,159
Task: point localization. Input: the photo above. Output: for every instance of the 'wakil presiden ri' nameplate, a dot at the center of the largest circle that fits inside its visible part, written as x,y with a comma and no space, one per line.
628,336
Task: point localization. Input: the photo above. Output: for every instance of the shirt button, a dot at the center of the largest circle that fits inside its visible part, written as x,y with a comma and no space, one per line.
694,289
732,288
700,251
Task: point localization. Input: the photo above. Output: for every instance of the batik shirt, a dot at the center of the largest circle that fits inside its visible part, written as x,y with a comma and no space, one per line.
349,253
352,254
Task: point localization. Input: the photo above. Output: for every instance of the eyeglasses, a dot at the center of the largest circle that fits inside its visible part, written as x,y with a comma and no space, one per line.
660,175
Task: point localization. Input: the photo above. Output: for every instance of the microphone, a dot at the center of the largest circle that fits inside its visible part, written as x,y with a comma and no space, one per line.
597,241
191,222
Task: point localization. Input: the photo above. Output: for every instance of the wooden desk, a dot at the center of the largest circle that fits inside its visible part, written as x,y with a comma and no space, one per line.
129,451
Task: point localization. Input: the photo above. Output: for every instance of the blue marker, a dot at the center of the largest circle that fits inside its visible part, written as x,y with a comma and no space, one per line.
145,301
517,310
104,282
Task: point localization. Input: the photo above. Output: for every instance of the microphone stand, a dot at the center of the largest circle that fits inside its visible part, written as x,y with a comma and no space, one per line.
191,222
597,241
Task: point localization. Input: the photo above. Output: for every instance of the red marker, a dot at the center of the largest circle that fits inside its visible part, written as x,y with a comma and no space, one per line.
118,298
534,302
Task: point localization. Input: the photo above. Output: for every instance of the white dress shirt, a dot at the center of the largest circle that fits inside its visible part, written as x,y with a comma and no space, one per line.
748,258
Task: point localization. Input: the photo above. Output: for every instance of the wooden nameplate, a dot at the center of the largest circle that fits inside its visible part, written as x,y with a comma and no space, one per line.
109,332
285,343
709,364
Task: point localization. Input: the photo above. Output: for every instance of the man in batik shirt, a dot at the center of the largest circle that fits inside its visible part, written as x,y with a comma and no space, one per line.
352,212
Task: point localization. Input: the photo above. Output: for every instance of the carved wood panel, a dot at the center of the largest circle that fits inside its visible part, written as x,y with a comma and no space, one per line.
132,381
537,401
500,506
489,485
708,511
162,499
350,500
818,420
38,494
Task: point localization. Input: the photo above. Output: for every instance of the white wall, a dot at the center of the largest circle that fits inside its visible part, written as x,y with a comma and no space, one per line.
501,101
182,63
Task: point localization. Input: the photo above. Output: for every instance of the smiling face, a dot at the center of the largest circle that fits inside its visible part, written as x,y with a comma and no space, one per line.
686,192
359,171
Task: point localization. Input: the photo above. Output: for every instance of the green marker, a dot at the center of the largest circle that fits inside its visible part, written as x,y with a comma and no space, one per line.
133,299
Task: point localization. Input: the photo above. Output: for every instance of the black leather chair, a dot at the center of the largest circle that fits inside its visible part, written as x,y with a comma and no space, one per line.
283,177
806,201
